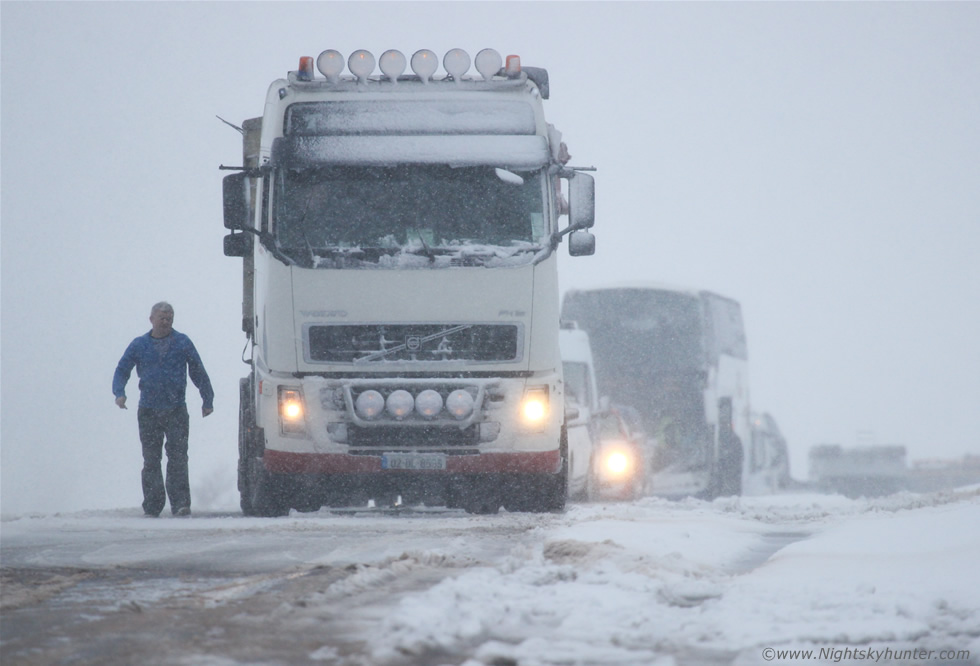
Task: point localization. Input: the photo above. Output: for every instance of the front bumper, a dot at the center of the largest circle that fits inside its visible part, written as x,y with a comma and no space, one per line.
523,462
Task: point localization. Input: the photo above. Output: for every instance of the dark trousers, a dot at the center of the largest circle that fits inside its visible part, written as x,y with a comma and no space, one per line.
155,426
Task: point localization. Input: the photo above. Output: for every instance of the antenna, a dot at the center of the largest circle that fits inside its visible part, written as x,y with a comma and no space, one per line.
232,125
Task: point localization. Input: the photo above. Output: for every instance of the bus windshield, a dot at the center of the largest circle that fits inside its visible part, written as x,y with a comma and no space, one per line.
654,331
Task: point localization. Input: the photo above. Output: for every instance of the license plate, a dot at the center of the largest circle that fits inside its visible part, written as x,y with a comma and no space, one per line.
413,461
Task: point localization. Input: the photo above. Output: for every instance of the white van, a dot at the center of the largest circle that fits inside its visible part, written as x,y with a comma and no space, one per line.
581,409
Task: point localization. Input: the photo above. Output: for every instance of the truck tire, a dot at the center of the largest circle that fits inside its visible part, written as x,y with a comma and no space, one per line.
553,491
259,494
540,493
246,435
268,497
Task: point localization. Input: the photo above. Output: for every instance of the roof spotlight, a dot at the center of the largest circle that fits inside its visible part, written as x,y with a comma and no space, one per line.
331,64
456,62
392,64
488,63
424,63
361,64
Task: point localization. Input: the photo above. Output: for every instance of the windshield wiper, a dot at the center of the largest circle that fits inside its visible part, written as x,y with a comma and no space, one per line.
428,250
302,227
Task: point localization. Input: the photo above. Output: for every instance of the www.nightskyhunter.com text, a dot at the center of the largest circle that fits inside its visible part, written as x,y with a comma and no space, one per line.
873,655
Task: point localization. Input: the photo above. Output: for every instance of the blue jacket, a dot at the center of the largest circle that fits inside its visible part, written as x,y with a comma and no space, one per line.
162,365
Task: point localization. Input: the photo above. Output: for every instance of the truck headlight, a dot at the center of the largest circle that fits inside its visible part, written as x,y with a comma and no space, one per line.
292,412
400,403
535,407
369,404
460,403
428,403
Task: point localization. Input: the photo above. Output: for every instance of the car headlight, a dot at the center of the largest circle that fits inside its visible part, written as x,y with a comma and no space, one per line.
617,462
292,410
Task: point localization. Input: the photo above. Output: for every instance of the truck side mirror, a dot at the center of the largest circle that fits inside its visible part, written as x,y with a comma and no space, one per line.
581,201
581,244
236,198
237,245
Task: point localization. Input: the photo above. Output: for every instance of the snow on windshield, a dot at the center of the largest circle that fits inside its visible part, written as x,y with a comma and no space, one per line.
340,217
410,117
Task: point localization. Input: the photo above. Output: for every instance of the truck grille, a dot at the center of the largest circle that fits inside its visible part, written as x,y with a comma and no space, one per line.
423,343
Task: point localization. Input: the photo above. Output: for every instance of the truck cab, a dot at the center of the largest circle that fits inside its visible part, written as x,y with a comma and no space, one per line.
400,292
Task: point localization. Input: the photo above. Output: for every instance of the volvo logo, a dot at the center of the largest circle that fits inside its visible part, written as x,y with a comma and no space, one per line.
413,343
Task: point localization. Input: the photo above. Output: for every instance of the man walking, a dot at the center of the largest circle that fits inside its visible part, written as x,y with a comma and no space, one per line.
163,358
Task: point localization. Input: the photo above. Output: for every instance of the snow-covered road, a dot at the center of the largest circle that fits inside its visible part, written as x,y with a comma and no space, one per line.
737,581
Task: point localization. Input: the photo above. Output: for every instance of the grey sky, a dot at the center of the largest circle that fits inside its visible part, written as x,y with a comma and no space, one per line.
819,162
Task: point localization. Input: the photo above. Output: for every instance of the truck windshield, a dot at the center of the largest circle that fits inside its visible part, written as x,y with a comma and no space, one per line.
354,216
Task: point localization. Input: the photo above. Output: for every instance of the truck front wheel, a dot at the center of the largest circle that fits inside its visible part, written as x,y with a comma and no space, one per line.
260,494
543,493
267,495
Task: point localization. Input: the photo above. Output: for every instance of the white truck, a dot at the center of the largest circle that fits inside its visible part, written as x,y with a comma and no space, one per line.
869,470
399,236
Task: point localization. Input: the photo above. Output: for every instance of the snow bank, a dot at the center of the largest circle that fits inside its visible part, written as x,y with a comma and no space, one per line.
625,584
884,576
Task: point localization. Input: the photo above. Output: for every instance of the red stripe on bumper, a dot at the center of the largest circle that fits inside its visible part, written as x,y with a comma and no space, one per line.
533,462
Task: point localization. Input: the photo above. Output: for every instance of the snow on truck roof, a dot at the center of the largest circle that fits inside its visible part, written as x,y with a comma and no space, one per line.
513,152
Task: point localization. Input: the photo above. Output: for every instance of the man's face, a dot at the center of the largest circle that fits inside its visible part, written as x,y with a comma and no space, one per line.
162,322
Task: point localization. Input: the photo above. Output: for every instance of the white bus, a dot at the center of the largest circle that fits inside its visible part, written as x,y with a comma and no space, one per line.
679,357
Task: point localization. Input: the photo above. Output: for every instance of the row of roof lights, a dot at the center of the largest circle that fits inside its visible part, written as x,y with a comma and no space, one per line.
424,63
